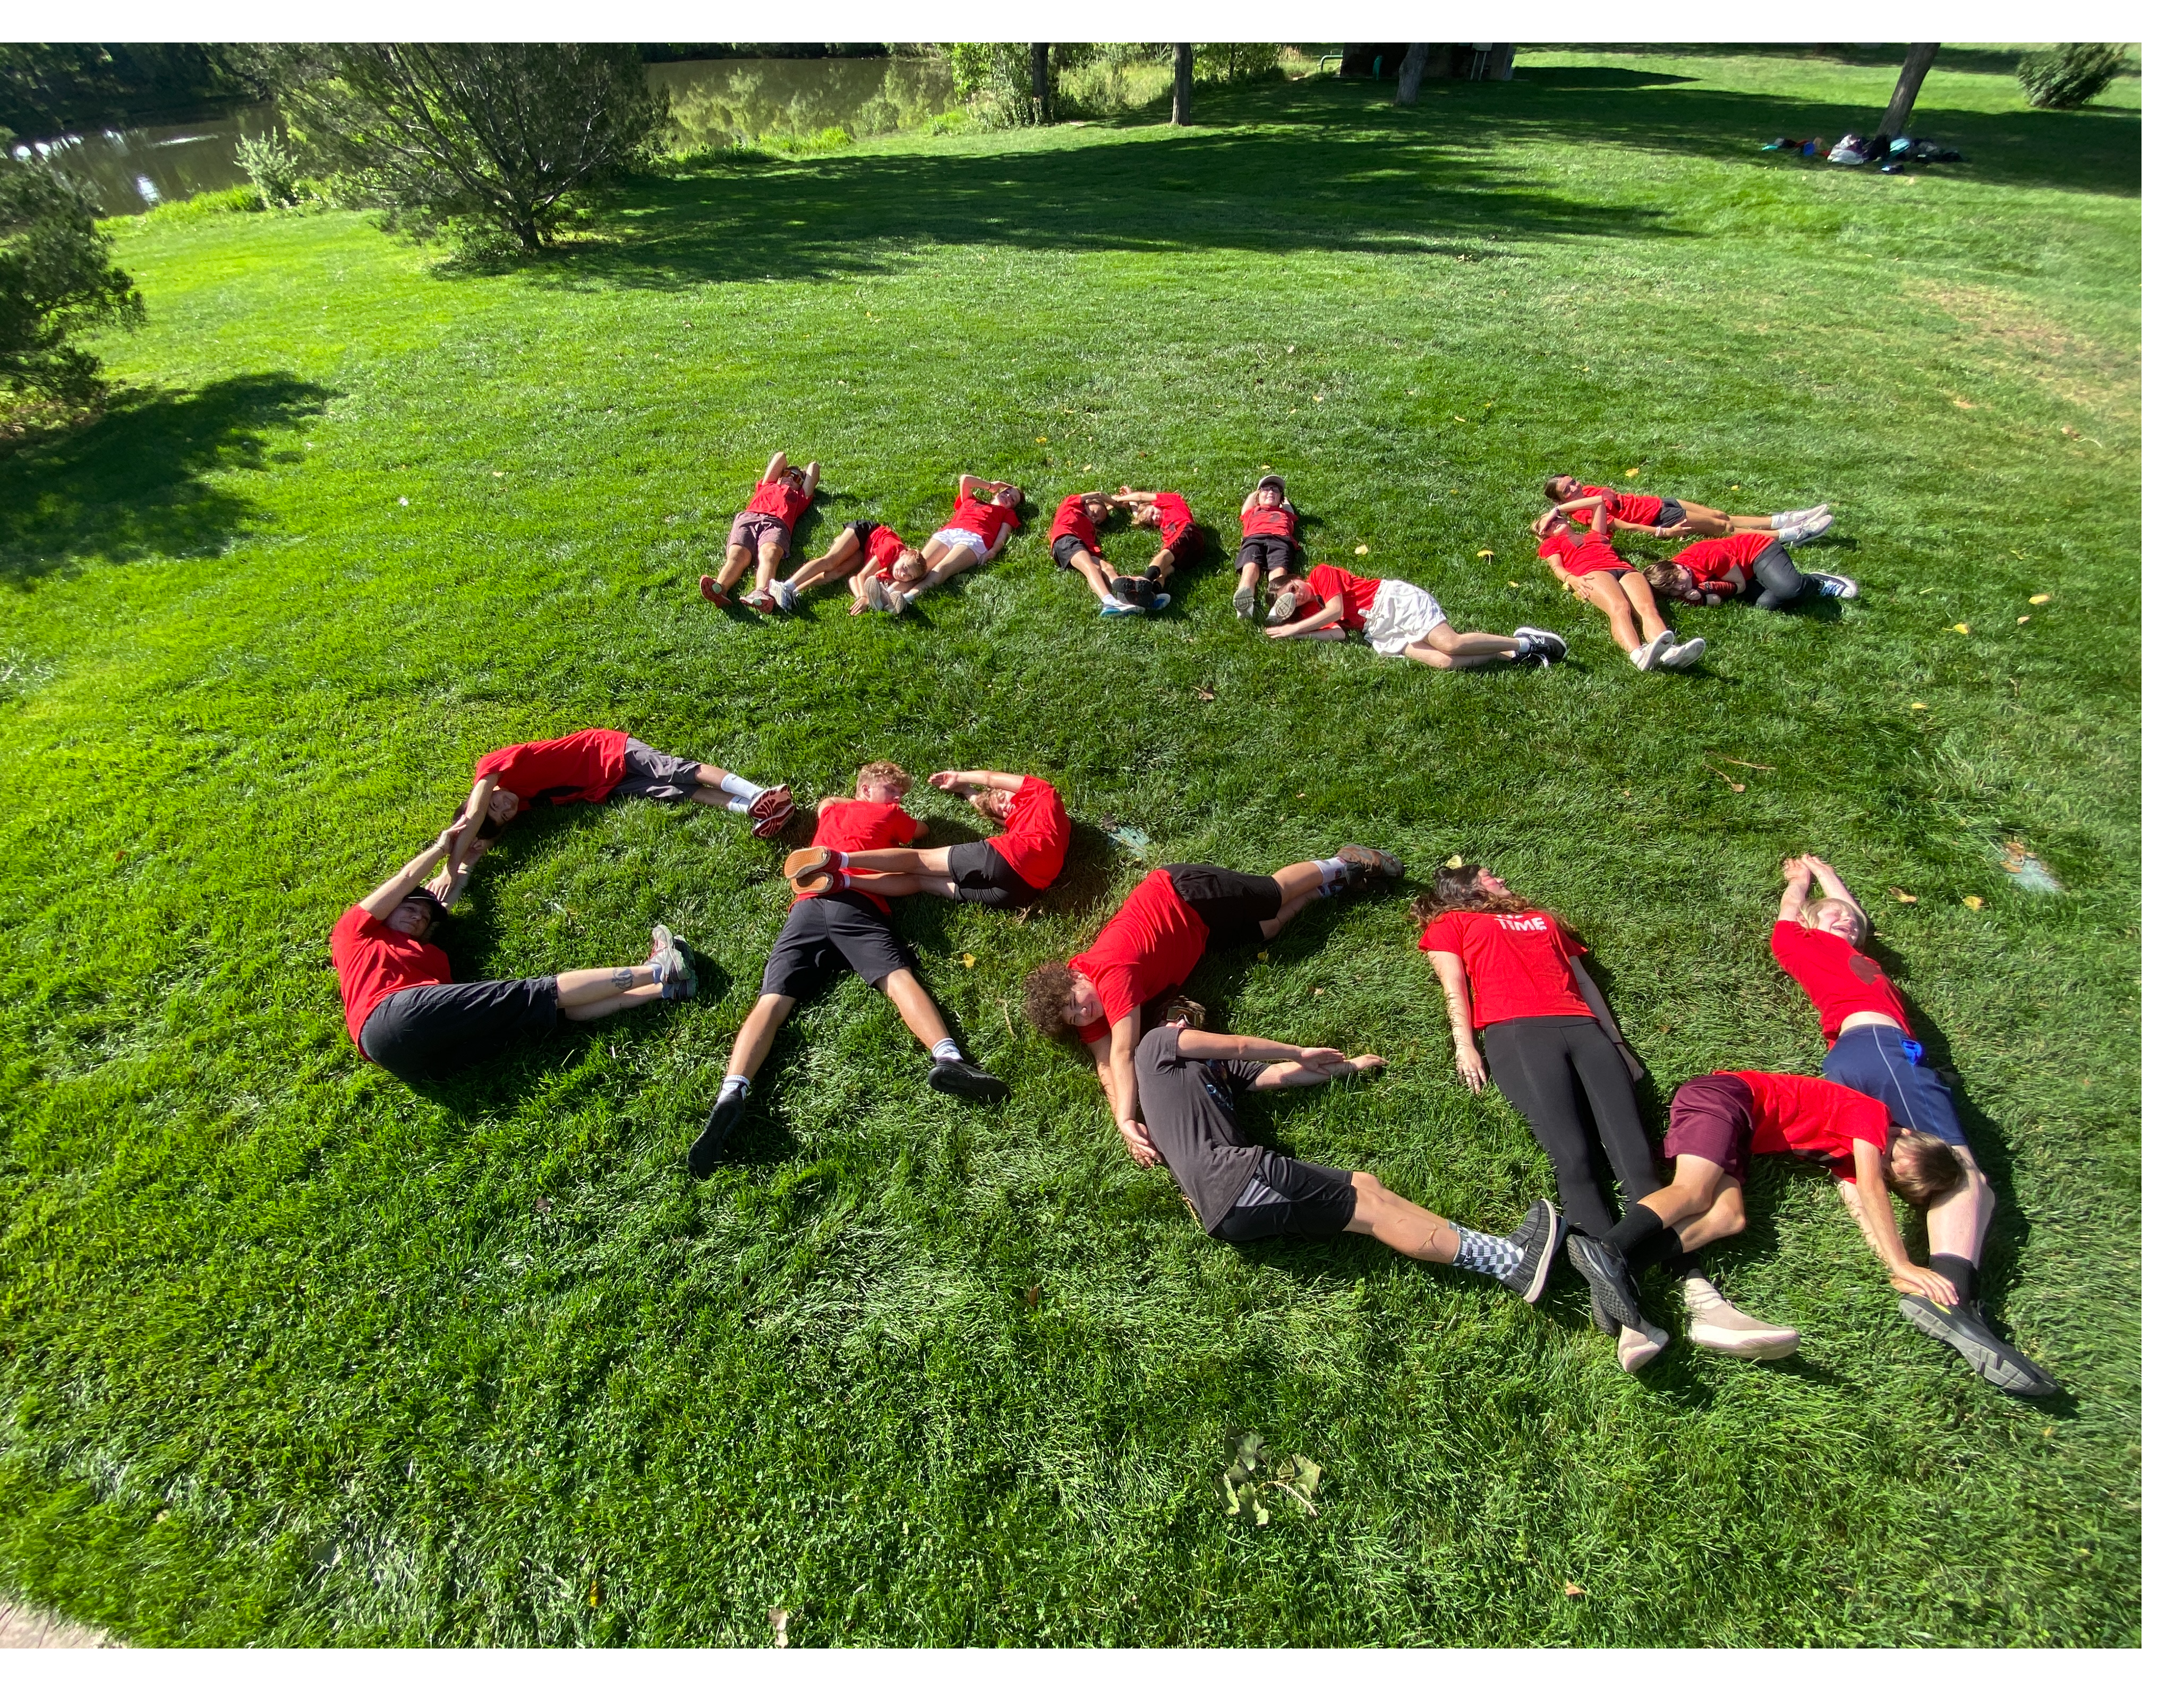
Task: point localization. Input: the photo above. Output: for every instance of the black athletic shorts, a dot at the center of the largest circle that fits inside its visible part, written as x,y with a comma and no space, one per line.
1672,513
1286,1197
982,876
864,526
825,935
422,1032
1275,553
1066,548
1231,905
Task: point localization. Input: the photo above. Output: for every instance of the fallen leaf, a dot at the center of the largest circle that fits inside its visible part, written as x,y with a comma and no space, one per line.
1633,471
1737,486
1513,584
1292,348
500,472
2022,621
1486,551
1915,705
778,1620
1204,696
1362,550
1740,763
2070,431
595,1594
1733,786
2040,598
403,501
1974,902
1263,957
1319,992
1964,405
1451,413
1031,1297
1961,627
1456,861
544,1206
1088,468
1319,400
1903,896
1569,1590
1038,440
1269,466
969,960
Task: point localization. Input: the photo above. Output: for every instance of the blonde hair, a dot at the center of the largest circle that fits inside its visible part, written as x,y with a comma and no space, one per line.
884,775
1810,916
913,561
990,803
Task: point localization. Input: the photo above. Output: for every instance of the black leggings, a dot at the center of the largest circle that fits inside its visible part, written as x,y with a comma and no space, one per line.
1540,1062
1781,583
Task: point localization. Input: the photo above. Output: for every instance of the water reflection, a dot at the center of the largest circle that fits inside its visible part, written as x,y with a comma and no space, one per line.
712,102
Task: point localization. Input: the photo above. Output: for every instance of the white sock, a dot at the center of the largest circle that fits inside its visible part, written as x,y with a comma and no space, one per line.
734,1083
1333,872
946,1051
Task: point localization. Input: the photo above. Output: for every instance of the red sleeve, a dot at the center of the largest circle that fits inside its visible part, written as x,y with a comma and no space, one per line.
1572,945
901,826
1445,933
1009,517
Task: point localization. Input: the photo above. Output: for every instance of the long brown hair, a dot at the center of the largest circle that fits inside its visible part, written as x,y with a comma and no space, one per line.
1458,889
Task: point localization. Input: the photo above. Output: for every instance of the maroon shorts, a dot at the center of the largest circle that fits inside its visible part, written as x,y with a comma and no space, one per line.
754,529
1711,1117
1187,546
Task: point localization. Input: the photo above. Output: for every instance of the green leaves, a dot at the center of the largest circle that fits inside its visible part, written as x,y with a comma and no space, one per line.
1247,1483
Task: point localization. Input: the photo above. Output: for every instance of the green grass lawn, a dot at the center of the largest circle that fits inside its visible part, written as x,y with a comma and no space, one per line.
290,1355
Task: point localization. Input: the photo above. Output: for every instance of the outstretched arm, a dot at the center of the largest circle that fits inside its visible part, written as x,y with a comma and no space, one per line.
1797,874
1882,1233
1831,884
957,780
1605,1017
1114,1055
465,853
1330,612
379,903
1287,1065
1455,992
774,466
811,479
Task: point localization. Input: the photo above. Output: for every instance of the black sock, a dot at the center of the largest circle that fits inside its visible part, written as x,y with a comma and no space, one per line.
1959,1273
1681,1263
1638,1226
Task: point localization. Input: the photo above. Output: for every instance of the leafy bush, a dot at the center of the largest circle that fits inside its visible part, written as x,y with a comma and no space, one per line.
275,172
213,203
2070,73
492,142
58,279
993,79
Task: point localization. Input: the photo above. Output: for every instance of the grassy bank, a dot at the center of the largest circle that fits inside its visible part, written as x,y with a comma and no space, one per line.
288,1355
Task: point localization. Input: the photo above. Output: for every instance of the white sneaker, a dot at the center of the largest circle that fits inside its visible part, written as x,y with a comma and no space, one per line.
1834,586
784,596
1811,529
1717,1324
1634,1347
886,598
1646,656
1246,600
1682,657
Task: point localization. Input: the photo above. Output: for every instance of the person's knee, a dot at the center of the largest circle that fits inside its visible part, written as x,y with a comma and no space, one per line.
1730,1210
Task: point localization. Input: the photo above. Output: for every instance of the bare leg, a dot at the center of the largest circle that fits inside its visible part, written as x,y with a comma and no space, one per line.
1444,648
1620,622
587,994
1300,883
1400,1224
736,559
770,554
953,562
1703,1203
920,1015
900,860
1639,593
1957,1225
903,886
755,1038
1096,575
841,559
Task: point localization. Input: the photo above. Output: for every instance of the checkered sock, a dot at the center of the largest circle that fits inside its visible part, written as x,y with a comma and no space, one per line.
1487,1253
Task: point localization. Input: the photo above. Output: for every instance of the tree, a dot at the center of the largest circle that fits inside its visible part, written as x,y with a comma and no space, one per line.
58,279
1181,112
1916,62
494,138
1414,73
1038,100
2073,73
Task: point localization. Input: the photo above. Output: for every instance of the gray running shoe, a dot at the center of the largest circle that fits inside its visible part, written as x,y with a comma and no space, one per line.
1245,599
1811,529
1283,609
784,595
1960,1328
1608,1274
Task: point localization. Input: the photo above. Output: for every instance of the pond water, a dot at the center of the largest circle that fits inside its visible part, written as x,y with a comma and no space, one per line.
712,102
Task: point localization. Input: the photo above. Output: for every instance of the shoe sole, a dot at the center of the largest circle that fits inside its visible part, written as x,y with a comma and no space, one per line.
806,870
1630,1360
1988,1362
715,593
1612,1298
1546,1264
1245,603
667,948
991,1089
1371,860
1759,1347
771,811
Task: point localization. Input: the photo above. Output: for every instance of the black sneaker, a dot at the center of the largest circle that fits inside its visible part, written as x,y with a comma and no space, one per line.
1609,1277
1365,864
1547,646
711,1149
683,987
1999,1363
960,1079
1541,1231
1601,1318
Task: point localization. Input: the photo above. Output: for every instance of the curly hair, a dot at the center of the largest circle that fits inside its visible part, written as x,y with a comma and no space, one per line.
884,775
1047,993
1458,889
1934,1174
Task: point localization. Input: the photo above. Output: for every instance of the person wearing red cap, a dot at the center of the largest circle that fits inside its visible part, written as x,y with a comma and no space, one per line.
761,531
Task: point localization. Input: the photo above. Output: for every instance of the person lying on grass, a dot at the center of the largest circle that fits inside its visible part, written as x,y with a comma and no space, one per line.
1595,571
1399,621
1009,870
976,531
1752,565
761,531
1075,541
590,767
1187,1083
1182,541
407,1013
1512,982
1150,946
865,544
1717,1124
826,932
1870,1050
1269,547
1667,519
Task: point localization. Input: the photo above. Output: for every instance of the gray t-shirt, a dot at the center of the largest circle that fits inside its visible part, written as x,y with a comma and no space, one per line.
1188,1106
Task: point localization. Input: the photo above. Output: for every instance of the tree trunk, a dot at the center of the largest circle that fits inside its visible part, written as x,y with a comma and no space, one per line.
1916,62
1413,72
1181,114
1039,82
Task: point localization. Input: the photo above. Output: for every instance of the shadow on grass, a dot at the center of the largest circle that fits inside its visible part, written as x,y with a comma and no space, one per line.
137,483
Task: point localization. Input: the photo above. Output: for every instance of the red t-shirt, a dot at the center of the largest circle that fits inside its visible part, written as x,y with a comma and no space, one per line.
1816,1120
1358,592
1710,559
1581,551
1281,520
982,518
371,959
1632,507
883,546
1519,965
1149,947
1175,518
1836,976
779,500
586,766
1035,838
1070,517
863,825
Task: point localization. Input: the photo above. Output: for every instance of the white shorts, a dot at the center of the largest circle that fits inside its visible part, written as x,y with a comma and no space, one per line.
962,537
1401,616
